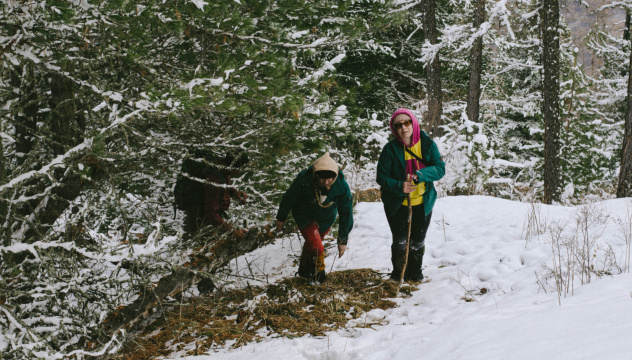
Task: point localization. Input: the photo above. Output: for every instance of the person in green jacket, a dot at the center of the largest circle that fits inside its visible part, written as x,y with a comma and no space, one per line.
315,197
408,164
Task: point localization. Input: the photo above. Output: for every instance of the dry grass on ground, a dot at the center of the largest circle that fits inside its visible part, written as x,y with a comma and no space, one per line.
291,308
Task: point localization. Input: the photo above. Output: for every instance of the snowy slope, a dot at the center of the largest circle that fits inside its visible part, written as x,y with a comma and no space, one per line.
476,249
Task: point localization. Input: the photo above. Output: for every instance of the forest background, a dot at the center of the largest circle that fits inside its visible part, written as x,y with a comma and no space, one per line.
100,101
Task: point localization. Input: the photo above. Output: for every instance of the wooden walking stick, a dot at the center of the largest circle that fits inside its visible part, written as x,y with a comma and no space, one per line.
410,222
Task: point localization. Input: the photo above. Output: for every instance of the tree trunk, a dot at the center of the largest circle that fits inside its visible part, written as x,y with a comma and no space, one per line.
551,104
63,109
476,64
624,188
433,72
626,30
64,130
26,114
3,170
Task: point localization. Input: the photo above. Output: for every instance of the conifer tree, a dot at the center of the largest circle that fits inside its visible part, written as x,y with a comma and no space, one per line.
110,98
433,69
624,186
611,90
476,60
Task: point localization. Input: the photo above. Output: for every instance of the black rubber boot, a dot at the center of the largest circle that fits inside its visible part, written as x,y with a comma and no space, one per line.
415,261
397,259
319,266
306,265
321,277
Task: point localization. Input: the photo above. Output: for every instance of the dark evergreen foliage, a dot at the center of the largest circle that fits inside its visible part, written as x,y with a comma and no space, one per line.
101,101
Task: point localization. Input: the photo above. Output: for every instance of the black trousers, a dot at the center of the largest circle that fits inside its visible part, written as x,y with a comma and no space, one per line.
399,230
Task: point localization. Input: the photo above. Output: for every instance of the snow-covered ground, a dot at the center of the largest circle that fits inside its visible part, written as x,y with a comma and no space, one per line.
492,252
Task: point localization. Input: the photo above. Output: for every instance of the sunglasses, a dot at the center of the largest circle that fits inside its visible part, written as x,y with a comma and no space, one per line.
401,124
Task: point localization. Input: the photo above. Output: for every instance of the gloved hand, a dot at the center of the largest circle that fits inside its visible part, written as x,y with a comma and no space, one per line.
341,249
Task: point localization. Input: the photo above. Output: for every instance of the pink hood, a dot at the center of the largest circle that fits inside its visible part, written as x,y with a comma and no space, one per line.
416,130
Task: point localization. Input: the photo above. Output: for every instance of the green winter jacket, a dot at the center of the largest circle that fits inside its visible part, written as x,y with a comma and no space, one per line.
391,173
300,198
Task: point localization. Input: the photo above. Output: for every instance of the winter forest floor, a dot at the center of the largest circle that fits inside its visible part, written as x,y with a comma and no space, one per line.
509,280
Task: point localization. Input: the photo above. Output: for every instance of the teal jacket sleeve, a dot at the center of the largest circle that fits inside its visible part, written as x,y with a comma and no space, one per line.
436,168
384,170
345,213
288,200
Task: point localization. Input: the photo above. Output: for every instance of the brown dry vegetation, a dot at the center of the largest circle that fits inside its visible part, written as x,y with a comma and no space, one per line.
368,195
291,308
